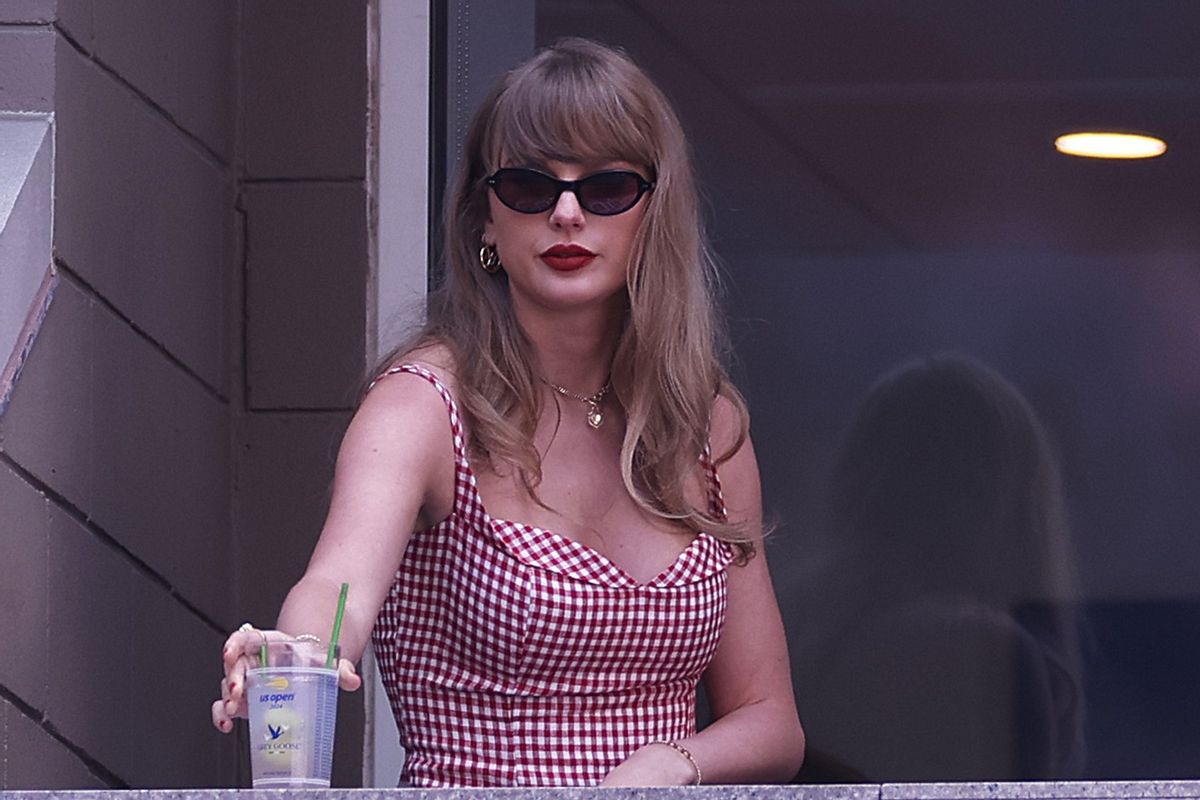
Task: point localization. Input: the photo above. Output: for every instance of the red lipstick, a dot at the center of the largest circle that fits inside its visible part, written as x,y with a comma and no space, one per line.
567,257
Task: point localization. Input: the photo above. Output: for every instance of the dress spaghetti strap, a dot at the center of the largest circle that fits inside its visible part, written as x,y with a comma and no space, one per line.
716,500
467,501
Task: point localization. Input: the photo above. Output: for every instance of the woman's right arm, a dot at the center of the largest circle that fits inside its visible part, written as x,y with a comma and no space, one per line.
394,474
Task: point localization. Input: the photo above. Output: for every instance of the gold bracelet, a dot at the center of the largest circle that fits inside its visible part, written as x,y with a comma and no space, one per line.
683,751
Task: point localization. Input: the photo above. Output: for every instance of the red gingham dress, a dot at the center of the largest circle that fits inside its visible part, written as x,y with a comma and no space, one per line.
514,656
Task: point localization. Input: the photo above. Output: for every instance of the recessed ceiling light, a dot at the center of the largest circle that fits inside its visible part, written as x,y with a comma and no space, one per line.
1110,145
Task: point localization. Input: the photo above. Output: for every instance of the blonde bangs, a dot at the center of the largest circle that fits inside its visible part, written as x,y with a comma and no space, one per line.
562,113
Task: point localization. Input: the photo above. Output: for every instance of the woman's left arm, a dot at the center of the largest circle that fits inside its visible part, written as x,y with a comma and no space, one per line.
756,735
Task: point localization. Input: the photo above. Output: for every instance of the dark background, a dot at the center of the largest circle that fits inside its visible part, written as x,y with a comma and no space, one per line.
882,186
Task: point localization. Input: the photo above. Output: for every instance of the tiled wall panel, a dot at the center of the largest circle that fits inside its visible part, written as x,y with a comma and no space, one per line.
95,671
30,758
284,474
305,294
143,215
178,662
23,589
161,453
75,17
27,67
134,671
121,413
304,95
48,425
104,419
180,55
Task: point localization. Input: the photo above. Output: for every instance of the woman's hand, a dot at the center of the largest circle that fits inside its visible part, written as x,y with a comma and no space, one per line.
654,764
241,654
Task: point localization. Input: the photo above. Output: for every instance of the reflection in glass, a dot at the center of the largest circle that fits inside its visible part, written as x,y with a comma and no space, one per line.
946,503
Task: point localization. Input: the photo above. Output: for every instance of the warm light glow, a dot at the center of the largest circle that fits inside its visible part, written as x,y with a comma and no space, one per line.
1110,145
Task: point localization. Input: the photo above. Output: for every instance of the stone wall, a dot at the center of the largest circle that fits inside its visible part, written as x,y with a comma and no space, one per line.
303,214
175,421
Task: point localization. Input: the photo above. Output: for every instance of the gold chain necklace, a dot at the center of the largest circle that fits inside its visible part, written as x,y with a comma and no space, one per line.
595,417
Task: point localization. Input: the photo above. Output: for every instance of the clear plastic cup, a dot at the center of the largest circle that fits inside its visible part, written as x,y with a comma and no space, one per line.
293,710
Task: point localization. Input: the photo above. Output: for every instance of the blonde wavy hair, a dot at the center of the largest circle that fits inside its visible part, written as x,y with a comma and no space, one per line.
581,101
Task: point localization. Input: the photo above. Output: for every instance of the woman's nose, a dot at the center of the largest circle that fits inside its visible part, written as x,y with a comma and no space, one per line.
567,212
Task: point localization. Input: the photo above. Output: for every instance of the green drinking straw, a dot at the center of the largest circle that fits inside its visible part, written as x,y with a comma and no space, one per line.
337,627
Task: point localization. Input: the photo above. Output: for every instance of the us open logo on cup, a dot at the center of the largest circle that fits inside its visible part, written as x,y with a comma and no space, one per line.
282,724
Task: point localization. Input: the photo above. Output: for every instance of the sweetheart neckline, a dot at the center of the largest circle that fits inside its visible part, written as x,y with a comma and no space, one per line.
596,554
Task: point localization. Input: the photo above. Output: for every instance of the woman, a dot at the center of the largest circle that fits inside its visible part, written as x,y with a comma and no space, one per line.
527,505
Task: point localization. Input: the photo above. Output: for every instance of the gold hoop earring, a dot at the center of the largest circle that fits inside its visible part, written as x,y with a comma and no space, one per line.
489,259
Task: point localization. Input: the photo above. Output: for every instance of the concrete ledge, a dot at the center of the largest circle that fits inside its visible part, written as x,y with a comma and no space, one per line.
1068,790
1078,790
27,279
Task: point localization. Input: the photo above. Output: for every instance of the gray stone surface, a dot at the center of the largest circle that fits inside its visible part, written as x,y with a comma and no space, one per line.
1035,791
27,67
143,215
119,413
30,758
178,668
23,138
285,471
180,55
48,425
28,11
23,589
91,665
26,155
161,449
75,17
304,66
129,683
103,418
1065,790
305,294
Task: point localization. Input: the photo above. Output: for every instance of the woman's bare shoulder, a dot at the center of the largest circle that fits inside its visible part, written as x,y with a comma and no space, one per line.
402,426
434,357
